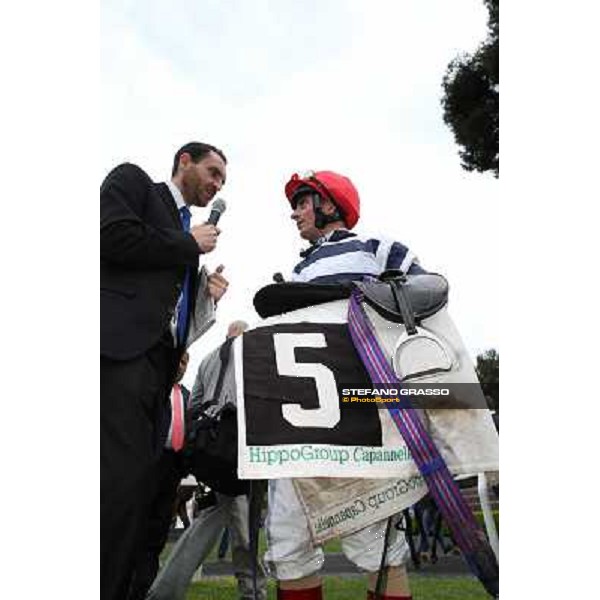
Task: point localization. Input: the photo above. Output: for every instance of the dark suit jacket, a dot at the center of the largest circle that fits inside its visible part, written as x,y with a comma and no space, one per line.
143,256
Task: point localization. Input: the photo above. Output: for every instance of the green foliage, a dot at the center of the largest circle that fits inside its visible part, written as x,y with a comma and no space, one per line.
480,520
471,100
445,530
488,372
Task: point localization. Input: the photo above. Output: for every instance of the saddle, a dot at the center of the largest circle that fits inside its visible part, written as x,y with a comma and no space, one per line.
405,299
395,296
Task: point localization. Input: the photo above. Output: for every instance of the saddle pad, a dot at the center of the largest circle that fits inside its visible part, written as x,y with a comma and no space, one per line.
293,423
335,507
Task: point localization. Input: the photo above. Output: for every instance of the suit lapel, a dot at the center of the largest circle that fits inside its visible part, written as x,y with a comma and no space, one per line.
167,198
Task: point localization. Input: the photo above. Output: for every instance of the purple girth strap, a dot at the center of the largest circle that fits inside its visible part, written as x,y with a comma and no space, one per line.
442,487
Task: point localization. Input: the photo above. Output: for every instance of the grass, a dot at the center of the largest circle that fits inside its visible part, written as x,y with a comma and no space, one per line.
352,588
343,588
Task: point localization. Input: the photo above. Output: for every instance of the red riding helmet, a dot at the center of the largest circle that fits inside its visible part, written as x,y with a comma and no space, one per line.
339,189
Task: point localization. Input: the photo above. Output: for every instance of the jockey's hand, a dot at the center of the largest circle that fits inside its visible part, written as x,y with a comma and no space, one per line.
217,284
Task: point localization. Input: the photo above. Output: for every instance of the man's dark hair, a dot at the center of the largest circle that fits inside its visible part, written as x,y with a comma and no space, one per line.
197,150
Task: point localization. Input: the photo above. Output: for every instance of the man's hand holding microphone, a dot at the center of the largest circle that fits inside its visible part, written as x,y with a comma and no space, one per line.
206,237
206,234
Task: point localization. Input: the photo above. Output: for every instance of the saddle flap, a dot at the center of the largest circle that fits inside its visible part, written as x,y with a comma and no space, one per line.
426,293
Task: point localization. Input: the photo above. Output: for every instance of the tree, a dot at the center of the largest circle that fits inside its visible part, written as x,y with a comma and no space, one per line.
488,372
471,100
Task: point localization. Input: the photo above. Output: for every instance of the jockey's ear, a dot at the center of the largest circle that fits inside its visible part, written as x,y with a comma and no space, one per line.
328,207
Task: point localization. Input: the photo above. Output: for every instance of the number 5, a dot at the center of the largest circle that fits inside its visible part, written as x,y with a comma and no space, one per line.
328,413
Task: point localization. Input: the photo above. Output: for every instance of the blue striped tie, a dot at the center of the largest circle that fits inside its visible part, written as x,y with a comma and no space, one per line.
182,316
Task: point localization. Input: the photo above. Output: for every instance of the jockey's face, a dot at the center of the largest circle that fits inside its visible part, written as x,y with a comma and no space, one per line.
304,215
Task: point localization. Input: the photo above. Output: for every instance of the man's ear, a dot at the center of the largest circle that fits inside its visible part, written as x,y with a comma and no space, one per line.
184,159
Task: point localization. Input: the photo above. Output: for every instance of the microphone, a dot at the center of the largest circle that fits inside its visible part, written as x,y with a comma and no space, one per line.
217,209
278,278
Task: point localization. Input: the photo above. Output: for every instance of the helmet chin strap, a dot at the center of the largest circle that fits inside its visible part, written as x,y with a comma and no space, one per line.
321,219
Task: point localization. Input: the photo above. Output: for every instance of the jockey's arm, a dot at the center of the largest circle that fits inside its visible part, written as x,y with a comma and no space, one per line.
400,257
197,395
416,269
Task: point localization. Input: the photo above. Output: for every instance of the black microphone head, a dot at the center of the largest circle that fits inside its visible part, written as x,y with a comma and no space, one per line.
278,278
216,210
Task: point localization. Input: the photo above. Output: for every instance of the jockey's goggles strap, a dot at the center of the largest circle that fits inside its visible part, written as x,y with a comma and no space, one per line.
321,219
442,487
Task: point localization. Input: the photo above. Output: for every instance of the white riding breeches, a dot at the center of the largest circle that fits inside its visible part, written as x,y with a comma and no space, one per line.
291,553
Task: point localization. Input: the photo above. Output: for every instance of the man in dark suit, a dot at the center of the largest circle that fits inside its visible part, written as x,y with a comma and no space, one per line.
171,469
149,258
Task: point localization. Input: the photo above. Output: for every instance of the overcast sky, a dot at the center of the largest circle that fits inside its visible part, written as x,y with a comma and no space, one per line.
282,86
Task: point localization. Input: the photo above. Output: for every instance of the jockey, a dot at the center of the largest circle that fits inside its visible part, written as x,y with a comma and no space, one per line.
326,206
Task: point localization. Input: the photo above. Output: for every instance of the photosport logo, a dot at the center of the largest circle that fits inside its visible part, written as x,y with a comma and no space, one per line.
418,395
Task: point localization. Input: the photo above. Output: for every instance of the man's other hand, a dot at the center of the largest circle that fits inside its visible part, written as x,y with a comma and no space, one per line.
217,284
